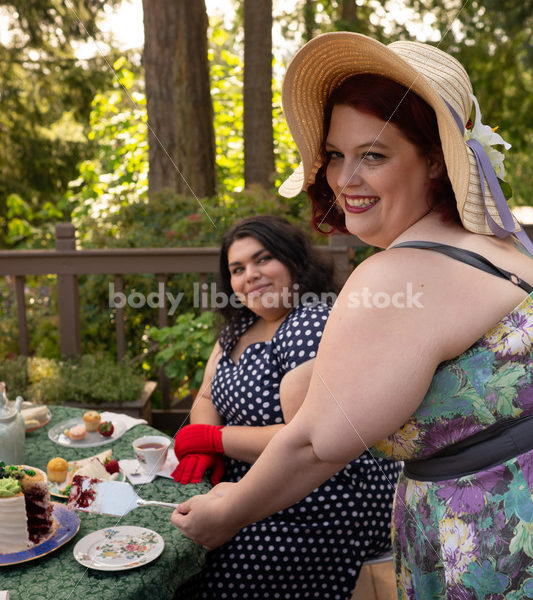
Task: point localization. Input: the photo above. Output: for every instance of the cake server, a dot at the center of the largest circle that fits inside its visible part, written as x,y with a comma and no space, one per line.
114,498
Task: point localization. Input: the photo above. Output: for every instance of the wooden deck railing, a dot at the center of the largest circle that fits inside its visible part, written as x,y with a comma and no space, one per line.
67,263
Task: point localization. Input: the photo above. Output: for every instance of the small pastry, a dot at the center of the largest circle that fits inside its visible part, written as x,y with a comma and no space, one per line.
91,418
77,432
57,469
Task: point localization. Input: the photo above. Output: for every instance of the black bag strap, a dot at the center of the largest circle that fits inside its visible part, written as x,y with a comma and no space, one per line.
470,258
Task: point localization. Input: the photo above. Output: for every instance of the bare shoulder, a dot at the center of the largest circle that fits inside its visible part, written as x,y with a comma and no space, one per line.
395,271
394,296
446,298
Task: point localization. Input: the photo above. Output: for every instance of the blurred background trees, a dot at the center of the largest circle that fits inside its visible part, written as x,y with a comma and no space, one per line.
45,102
169,144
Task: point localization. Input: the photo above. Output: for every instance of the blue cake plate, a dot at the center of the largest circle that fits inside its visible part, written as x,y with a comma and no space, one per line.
68,525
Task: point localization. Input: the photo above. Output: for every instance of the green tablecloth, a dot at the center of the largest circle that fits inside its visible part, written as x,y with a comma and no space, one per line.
58,576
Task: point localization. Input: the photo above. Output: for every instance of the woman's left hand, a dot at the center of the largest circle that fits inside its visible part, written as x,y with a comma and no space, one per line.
204,518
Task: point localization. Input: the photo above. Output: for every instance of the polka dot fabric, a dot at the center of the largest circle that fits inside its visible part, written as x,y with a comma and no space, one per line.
315,548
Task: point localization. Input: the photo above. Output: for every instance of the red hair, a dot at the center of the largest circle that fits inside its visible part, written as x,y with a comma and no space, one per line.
389,101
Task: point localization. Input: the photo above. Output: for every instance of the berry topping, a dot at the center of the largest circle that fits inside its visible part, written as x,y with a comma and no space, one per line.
112,466
106,428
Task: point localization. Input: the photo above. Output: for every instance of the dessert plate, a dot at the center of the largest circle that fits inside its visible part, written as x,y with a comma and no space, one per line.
68,524
42,422
118,548
39,420
93,438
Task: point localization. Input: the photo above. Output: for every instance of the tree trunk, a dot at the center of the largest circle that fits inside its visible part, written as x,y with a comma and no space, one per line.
257,93
309,20
348,14
180,112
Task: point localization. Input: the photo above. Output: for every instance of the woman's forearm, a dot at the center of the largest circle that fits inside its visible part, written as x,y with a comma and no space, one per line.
246,443
286,471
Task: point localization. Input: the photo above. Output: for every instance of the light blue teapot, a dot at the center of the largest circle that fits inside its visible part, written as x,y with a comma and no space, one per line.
12,429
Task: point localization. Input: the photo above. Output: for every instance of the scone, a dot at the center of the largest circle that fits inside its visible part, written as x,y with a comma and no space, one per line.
57,469
91,418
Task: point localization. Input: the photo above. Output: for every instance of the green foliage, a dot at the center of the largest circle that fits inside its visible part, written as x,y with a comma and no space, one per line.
492,39
26,219
117,175
44,105
185,347
226,71
308,18
14,373
93,379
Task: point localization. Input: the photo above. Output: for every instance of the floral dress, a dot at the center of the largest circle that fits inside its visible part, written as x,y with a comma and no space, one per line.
471,537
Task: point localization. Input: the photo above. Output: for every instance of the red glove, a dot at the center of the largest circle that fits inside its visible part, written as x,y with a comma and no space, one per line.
198,439
192,468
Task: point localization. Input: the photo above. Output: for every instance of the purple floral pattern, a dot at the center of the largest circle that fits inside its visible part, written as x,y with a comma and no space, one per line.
469,538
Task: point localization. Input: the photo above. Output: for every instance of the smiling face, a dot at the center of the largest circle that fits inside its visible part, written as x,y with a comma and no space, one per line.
379,179
260,281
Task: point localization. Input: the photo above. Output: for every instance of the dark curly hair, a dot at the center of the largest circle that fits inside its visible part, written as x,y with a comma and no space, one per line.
392,102
309,268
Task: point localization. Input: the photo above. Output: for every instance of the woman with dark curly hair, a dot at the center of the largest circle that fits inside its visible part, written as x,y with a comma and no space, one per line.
280,292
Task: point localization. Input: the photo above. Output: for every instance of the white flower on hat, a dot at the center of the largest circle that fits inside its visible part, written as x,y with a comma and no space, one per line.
488,138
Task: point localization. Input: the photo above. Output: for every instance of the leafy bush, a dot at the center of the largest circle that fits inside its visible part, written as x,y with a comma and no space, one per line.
92,379
167,220
185,347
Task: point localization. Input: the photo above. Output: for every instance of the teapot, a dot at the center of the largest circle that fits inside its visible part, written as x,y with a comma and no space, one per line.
12,429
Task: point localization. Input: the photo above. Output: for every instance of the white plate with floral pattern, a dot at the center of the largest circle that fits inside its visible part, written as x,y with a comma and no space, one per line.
118,548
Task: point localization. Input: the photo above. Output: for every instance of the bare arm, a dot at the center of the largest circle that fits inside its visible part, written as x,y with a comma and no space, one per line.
203,410
293,389
373,368
245,442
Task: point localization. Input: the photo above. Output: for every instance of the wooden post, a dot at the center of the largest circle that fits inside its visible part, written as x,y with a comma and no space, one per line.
119,320
24,345
338,247
164,382
67,296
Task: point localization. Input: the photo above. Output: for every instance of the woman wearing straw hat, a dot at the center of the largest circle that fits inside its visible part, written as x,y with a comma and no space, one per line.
427,354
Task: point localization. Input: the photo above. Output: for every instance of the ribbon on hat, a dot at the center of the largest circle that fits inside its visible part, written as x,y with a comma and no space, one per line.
486,171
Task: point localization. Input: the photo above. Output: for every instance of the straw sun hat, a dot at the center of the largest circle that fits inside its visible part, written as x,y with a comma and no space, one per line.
327,60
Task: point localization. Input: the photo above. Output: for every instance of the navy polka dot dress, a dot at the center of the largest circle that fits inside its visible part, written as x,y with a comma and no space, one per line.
315,548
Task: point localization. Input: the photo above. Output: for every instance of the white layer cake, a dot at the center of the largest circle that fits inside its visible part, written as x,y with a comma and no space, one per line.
25,508
13,524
